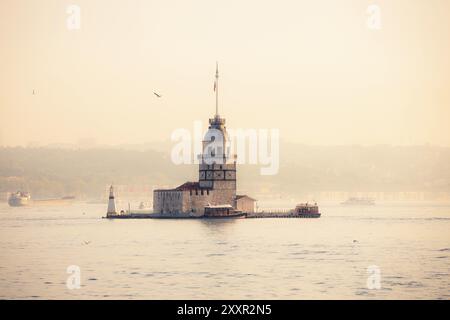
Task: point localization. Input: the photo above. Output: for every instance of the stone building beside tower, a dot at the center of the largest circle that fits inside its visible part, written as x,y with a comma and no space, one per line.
216,185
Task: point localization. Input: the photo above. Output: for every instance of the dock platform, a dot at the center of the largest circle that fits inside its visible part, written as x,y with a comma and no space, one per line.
253,215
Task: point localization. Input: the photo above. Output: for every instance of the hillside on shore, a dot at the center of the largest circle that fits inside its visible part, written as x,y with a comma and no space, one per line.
85,173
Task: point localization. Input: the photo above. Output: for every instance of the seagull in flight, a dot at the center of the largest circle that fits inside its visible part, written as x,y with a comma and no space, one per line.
157,95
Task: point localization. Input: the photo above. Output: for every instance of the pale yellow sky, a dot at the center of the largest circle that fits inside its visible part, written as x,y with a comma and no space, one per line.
310,68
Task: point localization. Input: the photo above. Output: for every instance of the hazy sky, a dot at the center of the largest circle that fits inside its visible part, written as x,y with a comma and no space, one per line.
311,68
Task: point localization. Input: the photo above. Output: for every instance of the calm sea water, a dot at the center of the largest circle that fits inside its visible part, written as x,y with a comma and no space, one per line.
324,258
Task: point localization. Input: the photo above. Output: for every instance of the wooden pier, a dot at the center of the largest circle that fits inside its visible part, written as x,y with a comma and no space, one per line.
281,213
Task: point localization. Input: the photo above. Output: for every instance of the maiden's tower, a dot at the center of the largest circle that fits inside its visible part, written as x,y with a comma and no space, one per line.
214,194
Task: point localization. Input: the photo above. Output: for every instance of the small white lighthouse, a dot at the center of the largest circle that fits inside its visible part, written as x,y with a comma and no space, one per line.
111,203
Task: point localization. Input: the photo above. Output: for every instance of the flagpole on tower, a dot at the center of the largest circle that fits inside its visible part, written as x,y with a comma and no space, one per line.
216,88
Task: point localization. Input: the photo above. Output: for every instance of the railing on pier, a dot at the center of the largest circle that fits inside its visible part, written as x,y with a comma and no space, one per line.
270,212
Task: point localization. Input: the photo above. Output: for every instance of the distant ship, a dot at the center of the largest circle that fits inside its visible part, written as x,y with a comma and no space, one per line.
19,199
355,201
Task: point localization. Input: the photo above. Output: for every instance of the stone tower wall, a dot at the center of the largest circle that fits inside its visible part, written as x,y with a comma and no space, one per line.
168,201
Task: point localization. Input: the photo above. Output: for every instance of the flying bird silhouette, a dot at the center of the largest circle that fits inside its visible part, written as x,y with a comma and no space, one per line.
157,95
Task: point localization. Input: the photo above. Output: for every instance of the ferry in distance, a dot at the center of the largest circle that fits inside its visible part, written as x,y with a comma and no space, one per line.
19,199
